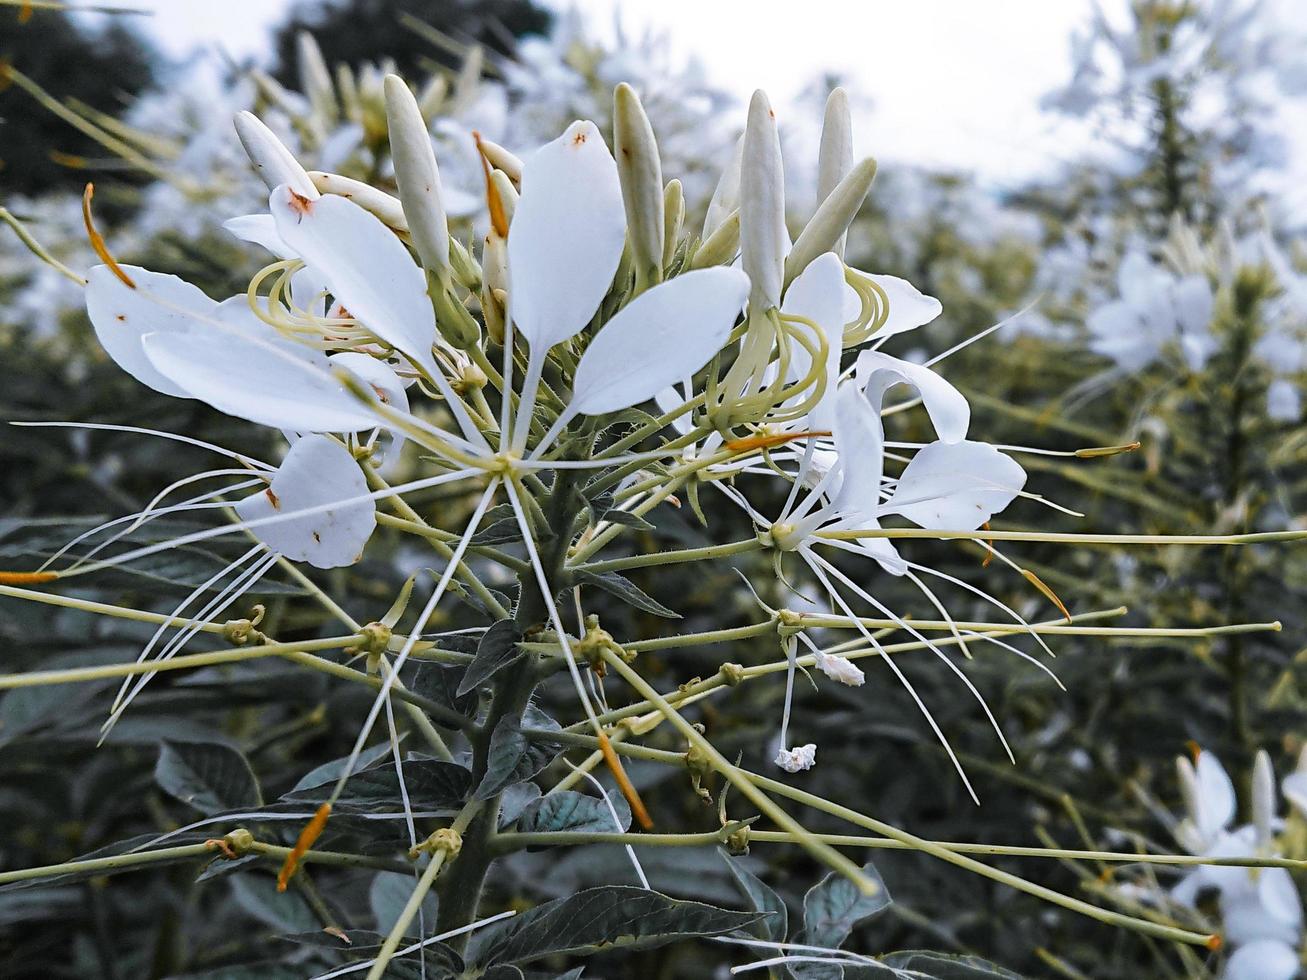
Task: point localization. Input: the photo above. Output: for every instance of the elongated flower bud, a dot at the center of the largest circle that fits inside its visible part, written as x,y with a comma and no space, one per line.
726,195
275,164
762,206
1263,796
348,89
826,229
506,192
721,246
418,177
315,79
641,174
383,205
673,218
432,96
835,153
501,159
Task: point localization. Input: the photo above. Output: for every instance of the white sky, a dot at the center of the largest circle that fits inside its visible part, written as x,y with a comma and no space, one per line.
949,82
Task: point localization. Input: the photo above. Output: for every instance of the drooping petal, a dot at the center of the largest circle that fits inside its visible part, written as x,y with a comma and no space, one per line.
660,337
860,443
566,238
316,471
260,229
947,407
956,486
256,379
122,315
1216,794
909,307
367,269
817,294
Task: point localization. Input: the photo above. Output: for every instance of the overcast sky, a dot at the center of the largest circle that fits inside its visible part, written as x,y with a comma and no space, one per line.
949,82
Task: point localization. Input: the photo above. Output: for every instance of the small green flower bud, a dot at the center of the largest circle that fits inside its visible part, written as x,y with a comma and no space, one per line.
275,164
315,79
673,218
418,177
455,323
348,90
827,227
721,246
726,195
763,236
641,174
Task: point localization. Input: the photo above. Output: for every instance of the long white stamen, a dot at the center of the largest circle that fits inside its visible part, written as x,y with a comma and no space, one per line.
107,427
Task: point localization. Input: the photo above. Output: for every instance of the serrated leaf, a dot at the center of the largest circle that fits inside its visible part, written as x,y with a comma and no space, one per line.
773,926
442,683
831,909
626,519
504,531
613,916
513,757
514,800
626,590
432,785
387,896
568,810
209,776
498,648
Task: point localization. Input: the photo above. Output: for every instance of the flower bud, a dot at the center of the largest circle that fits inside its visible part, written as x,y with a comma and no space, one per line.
641,175
501,159
275,164
673,218
348,89
1263,796
418,177
506,192
432,96
726,195
383,205
315,79
826,229
835,153
721,246
763,237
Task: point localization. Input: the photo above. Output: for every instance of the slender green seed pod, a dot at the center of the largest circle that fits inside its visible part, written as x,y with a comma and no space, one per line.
641,174
418,177
832,219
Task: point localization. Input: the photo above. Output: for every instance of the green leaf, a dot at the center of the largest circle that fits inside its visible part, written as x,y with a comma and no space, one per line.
208,775
498,648
432,785
388,895
773,926
443,684
329,772
626,590
513,757
568,810
831,909
625,518
613,916
947,966
284,911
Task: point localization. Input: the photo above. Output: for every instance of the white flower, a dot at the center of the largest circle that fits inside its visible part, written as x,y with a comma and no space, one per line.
839,668
797,759
1155,309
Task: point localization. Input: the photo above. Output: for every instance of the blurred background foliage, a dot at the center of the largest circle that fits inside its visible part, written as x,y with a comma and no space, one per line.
1094,763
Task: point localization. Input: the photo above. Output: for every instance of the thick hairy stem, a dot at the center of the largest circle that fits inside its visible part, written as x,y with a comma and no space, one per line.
460,887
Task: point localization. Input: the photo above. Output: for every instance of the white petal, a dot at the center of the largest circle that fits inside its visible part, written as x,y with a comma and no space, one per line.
122,316
1294,788
1265,959
1216,793
1279,896
956,486
367,269
946,406
797,759
566,237
1139,280
909,308
378,375
316,471
660,337
860,442
260,229
1193,300
1117,331
818,294
258,380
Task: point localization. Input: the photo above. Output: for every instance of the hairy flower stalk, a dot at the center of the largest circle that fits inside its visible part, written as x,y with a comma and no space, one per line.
564,384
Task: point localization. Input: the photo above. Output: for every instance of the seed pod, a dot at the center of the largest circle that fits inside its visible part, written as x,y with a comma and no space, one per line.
832,220
673,218
641,176
383,205
763,237
275,164
418,177
315,79
835,153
